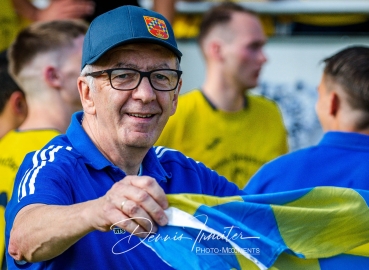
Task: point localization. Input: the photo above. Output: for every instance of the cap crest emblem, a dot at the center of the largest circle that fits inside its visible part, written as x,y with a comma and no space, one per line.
156,27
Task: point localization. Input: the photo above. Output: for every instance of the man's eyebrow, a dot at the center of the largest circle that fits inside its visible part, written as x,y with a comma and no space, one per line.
122,65
134,66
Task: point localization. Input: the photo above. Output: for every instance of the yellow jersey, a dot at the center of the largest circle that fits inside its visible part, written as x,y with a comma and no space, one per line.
13,148
235,144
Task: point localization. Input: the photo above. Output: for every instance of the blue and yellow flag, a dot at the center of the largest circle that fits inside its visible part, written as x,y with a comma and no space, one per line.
318,228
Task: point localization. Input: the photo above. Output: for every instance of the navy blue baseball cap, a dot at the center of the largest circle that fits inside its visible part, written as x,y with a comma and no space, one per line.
124,25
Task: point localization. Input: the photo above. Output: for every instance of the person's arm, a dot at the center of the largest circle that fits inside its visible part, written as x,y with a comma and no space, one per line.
57,9
41,232
166,8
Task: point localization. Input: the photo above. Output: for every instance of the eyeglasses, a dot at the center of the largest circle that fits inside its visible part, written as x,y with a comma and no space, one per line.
126,79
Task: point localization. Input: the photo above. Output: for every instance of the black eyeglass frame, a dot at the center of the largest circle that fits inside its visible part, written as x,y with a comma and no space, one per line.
142,75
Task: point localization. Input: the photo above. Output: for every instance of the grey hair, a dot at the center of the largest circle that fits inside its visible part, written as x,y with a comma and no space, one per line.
90,80
178,65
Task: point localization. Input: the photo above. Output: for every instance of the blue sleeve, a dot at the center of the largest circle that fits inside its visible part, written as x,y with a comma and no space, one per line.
223,187
281,174
257,183
215,184
190,176
39,181
272,177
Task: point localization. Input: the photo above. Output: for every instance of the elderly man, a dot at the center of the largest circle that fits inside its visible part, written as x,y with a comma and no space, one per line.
83,199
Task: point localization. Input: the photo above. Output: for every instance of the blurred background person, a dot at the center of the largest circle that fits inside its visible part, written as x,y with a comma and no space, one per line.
15,15
13,111
13,105
45,61
221,124
54,10
341,157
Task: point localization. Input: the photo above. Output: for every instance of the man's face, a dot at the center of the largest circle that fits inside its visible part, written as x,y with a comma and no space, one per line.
70,70
134,118
243,55
322,105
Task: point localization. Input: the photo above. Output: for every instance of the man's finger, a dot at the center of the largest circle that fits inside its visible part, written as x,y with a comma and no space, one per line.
140,216
151,186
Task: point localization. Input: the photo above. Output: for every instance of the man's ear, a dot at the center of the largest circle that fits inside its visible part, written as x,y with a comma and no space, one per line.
334,103
215,50
175,97
52,77
19,103
212,49
86,95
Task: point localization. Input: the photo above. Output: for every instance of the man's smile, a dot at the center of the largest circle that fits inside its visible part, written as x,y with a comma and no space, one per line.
141,115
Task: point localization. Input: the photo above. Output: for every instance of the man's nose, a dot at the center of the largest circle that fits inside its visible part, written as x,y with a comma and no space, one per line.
263,57
144,91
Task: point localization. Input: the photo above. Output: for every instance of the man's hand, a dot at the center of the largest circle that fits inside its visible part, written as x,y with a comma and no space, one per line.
41,232
56,10
66,9
135,204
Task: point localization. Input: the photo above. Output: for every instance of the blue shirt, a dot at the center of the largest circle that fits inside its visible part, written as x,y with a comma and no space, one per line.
70,169
340,159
